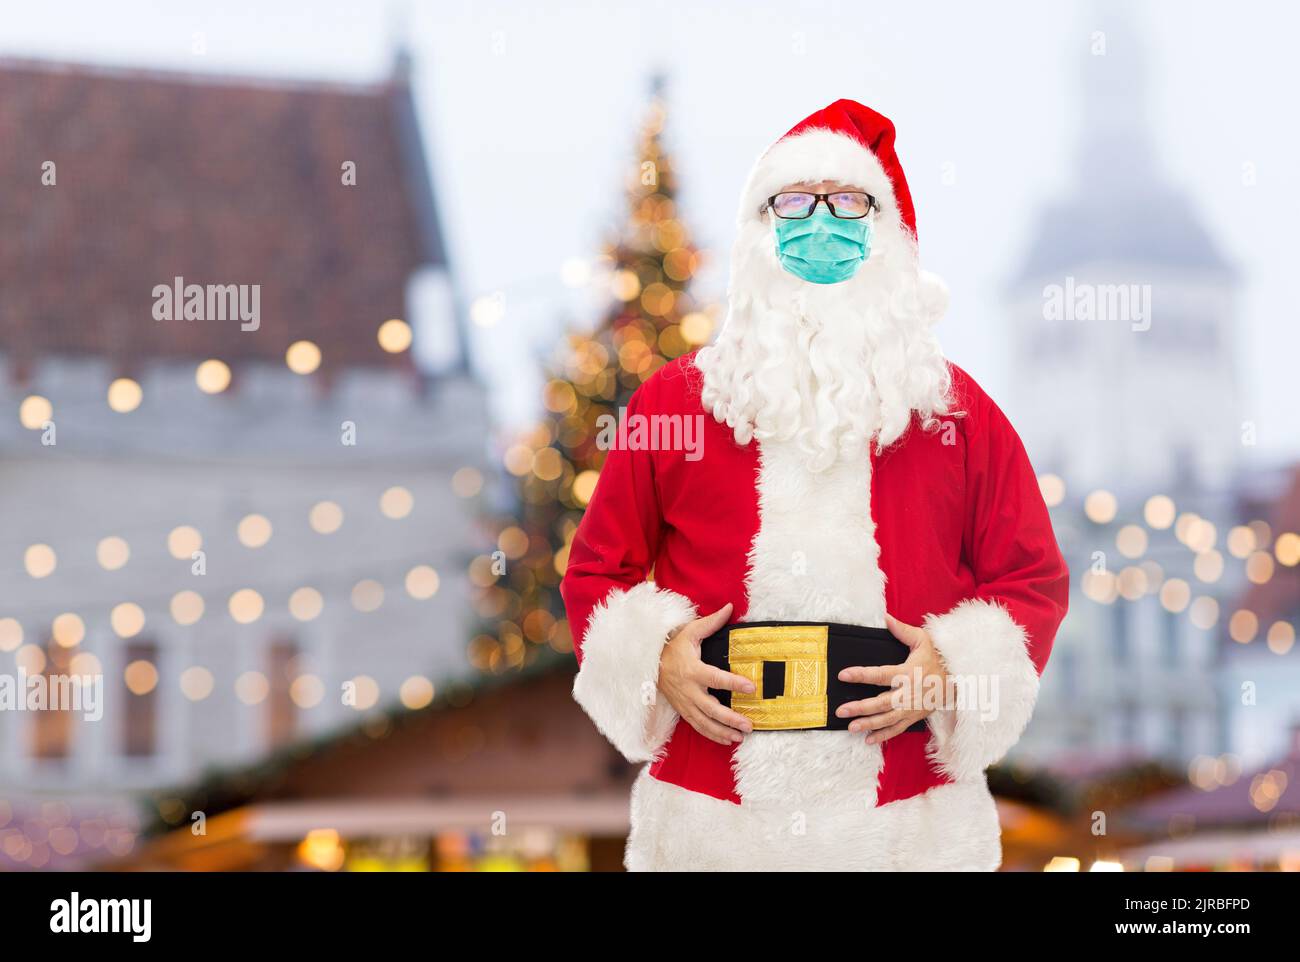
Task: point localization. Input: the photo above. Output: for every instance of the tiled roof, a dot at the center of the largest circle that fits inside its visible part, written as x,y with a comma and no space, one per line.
213,180
1259,797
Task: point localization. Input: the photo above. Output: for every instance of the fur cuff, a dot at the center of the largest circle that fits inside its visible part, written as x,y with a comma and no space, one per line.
617,684
985,652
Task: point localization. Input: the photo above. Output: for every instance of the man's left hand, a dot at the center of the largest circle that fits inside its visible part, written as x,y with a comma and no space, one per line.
894,711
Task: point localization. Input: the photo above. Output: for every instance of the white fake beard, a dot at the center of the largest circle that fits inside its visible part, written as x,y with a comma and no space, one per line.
829,366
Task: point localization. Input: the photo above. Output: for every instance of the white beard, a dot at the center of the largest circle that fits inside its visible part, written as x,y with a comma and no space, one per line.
829,366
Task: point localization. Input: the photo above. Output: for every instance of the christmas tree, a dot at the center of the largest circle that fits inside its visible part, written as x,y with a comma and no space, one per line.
652,318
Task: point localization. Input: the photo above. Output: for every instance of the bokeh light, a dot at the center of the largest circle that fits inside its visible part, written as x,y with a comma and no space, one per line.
394,336
112,553
124,395
302,357
212,376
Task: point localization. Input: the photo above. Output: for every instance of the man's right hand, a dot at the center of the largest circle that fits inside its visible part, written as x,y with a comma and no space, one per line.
685,681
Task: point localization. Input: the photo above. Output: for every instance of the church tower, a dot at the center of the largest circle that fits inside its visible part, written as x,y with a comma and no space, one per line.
1123,328
1124,307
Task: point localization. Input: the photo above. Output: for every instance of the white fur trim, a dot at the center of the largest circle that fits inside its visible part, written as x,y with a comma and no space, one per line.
814,558
813,155
933,292
617,684
949,828
981,646
807,768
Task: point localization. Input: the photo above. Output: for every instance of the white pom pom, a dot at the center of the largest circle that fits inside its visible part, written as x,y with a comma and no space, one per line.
934,296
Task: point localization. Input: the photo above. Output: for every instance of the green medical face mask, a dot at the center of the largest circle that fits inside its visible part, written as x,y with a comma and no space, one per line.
822,248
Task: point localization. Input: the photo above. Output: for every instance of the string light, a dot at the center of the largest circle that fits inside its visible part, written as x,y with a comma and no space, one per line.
1287,549
325,517
124,395
254,531
1159,512
1052,488
246,606
127,619
197,683
422,582
34,412
306,691
11,634
186,607
467,482
212,376
302,357
1131,541
84,663
367,595
416,692
112,553
1281,637
141,677
1241,541
1062,863
252,687
183,542
31,659
366,692
394,336
1100,507
68,630
40,560
305,604
396,503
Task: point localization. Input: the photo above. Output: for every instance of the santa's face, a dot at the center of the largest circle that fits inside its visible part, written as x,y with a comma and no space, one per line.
822,230
826,362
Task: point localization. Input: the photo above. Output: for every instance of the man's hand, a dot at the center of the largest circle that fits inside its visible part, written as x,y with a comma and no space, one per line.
894,711
685,680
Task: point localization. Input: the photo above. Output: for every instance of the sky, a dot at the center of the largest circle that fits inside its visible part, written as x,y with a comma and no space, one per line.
531,111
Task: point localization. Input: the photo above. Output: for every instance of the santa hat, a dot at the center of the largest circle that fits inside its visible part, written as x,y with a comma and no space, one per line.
853,144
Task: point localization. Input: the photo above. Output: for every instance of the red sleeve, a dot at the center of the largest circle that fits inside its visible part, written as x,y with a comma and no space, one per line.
618,538
1008,540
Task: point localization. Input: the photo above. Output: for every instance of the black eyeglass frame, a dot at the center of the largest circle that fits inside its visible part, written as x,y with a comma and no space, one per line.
819,199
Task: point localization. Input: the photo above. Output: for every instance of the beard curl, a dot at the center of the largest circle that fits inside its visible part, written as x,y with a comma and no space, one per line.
831,367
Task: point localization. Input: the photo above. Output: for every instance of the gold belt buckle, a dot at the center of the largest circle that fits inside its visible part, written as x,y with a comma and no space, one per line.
802,649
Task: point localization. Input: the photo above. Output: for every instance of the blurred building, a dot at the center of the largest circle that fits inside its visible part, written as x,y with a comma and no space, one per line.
252,528
1264,668
1227,819
1125,326
507,775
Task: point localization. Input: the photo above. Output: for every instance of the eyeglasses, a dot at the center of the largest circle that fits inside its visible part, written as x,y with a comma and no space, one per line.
798,204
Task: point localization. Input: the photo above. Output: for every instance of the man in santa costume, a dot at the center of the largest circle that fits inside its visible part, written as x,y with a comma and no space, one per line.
823,627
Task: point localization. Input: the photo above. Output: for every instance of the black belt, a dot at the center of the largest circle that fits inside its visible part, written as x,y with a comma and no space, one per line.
795,668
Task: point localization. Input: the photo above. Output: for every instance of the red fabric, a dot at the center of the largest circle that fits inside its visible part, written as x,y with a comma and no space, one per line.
874,131
958,515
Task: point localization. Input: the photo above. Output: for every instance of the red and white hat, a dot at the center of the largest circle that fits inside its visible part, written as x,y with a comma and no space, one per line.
846,142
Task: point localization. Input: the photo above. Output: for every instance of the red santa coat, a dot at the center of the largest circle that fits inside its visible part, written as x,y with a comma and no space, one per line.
945,528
